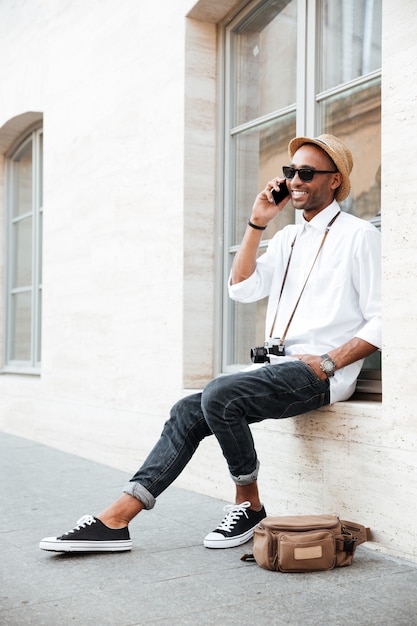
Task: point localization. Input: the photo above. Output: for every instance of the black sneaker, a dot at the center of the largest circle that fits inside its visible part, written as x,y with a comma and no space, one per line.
236,528
89,535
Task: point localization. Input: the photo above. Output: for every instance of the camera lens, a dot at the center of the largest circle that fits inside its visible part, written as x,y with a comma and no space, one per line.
259,354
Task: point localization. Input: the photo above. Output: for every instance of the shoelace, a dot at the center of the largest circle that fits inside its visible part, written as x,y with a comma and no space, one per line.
234,513
85,520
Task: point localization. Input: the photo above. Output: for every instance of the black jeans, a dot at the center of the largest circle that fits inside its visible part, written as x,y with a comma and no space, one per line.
226,408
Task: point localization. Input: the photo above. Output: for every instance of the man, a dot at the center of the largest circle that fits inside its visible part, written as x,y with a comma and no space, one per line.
323,282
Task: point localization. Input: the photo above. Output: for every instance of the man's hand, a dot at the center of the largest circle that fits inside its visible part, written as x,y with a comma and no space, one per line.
263,211
353,350
313,362
264,208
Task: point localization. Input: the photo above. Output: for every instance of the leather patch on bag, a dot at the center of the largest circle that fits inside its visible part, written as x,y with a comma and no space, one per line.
313,552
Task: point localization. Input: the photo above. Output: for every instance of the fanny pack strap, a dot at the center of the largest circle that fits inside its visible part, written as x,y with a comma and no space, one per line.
360,533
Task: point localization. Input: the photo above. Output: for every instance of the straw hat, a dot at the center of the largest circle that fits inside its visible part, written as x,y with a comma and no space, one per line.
337,151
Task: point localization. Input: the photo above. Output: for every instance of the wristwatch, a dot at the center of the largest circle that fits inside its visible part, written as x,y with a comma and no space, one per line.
327,365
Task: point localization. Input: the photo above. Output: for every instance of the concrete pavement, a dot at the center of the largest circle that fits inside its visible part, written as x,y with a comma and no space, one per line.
168,578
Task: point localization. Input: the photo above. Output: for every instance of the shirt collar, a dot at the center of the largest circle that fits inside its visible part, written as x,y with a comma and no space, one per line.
321,220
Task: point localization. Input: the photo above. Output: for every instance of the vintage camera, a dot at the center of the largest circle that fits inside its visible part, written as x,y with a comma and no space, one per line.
260,353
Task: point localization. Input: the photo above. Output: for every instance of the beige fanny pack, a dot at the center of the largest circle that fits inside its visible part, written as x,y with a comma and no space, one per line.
305,543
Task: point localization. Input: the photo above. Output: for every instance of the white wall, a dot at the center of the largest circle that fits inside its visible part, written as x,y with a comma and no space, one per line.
129,102
110,84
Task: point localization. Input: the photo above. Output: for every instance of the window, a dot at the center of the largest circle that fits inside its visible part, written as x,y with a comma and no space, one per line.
295,68
261,109
24,255
349,93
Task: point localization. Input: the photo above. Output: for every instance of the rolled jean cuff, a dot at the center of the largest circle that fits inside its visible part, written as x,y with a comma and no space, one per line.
246,479
140,493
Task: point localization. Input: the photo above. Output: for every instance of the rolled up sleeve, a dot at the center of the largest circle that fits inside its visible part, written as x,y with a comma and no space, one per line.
259,284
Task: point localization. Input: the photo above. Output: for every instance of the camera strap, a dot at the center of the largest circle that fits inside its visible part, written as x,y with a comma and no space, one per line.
326,232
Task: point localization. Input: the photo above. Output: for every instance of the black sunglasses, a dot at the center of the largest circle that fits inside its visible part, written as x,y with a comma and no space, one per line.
305,173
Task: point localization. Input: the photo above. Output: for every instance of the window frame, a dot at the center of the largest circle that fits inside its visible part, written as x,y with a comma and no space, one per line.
307,106
230,131
32,365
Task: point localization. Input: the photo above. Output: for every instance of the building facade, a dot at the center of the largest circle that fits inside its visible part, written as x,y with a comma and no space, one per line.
133,140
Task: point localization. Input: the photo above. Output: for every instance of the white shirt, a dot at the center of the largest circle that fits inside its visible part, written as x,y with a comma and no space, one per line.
341,299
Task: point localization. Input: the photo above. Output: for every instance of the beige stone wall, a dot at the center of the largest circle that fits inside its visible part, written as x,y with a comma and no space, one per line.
131,243
201,212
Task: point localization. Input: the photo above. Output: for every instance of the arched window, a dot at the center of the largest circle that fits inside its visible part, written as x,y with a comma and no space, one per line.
24,254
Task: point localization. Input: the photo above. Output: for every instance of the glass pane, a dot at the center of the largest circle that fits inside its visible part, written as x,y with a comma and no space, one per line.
23,253
40,179
266,56
21,337
260,154
39,329
350,40
22,171
249,329
355,116
40,246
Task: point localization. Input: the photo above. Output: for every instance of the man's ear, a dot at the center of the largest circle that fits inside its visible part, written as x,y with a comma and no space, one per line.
337,180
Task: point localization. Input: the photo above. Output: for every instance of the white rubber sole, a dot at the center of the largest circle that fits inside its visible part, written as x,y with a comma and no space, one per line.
217,540
52,544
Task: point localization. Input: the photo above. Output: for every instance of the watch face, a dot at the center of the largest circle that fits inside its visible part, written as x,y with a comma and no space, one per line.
327,366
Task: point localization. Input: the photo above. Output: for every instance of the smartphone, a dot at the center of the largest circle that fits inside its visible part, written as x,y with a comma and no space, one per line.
281,194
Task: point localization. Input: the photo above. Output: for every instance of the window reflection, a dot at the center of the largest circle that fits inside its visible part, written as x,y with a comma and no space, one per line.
355,116
265,46
259,156
350,40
